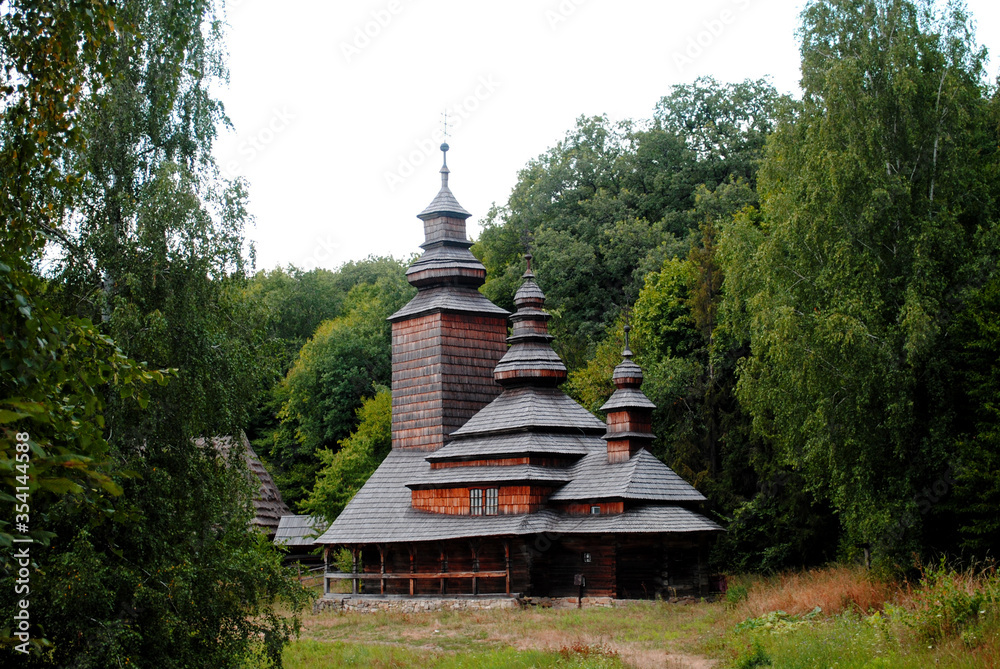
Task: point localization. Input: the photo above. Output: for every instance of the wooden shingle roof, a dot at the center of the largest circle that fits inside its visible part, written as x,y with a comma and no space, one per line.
381,513
448,298
439,478
641,477
521,443
530,409
267,502
295,530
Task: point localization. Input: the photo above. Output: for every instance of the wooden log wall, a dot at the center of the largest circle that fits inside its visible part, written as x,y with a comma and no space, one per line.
556,560
630,420
640,568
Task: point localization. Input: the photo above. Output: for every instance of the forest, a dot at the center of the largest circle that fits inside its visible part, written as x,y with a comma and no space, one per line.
812,284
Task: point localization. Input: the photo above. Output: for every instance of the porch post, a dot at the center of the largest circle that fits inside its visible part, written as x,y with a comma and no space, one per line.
326,569
506,558
475,566
355,581
443,568
381,557
412,567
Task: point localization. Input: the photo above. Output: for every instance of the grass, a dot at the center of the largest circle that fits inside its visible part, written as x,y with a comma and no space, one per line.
309,654
644,634
832,617
841,617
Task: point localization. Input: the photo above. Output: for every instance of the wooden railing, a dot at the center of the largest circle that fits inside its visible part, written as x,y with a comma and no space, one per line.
339,575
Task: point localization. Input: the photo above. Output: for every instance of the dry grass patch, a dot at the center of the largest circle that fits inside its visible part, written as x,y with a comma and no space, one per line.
833,589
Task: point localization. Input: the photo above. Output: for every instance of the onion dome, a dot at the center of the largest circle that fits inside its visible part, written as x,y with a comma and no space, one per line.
447,275
629,411
447,260
530,358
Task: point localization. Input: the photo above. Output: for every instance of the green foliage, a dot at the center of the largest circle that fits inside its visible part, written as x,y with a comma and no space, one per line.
950,603
736,593
53,371
780,526
298,301
977,491
151,559
345,470
753,656
611,202
873,195
342,363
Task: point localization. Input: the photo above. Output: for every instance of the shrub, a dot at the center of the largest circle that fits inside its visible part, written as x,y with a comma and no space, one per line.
950,602
753,656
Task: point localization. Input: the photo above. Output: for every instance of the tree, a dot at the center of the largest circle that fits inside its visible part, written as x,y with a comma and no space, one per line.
872,196
148,244
357,457
344,361
611,202
298,301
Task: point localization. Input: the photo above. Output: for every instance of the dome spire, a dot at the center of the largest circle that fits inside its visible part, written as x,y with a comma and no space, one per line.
444,168
530,359
629,411
627,353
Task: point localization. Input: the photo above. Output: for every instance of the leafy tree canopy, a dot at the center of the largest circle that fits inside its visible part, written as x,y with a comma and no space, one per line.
875,197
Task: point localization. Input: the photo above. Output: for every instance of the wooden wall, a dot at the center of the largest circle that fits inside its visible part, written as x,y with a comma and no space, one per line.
625,566
455,501
584,508
442,374
506,462
436,559
556,559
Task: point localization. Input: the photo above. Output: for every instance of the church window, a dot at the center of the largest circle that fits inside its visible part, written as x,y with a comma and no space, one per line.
492,501
484,501
476,501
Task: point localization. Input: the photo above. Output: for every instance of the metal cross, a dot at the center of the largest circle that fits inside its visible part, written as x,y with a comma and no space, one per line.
444,116
527,248
628,326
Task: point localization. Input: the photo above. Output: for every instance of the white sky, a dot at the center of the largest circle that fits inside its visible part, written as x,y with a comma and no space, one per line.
338,134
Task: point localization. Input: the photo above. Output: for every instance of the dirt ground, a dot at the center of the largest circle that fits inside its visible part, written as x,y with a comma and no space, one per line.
644,636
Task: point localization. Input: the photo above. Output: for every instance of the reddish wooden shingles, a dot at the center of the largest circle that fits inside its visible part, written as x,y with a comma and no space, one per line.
585,508
503,462
455,501
442,374
629,421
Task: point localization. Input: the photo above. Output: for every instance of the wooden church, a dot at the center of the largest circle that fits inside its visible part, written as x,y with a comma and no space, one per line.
498,482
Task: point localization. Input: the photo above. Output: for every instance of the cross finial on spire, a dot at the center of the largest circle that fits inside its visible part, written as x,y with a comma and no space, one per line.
527,253
447,126
627,353
444,150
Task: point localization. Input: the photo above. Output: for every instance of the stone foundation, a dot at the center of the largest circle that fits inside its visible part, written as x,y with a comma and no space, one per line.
403,604
572,602
412,604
